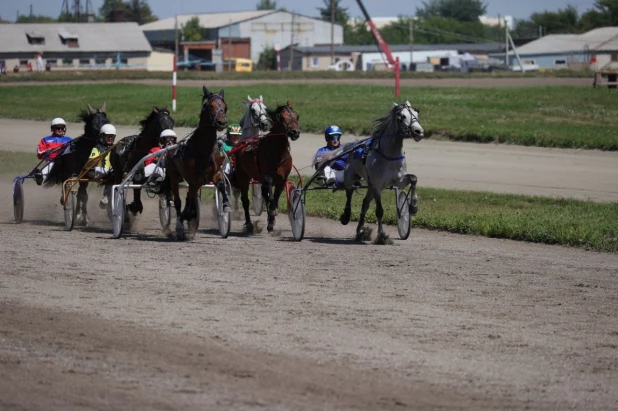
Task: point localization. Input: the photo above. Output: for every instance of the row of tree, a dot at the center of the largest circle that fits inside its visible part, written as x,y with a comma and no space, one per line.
111,11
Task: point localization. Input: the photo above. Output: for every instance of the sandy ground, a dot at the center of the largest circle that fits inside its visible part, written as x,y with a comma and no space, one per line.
437,322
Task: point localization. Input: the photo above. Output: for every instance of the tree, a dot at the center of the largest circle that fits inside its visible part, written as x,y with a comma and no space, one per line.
192,31
35,19
460,10
141,11
266,5
341,13
605,15
136,10
267,59
563,21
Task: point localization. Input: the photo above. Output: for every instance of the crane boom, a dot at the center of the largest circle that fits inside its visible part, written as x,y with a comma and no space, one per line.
378,37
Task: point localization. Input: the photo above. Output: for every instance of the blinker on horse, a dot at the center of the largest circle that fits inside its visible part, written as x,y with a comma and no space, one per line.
383,165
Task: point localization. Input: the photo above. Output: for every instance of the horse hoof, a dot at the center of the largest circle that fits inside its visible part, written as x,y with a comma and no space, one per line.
364,234
270,228
248,228
382,239
345,218
135,208
413,207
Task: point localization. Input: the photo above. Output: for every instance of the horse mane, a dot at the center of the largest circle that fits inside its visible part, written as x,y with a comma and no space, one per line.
382,124
143,123
274,113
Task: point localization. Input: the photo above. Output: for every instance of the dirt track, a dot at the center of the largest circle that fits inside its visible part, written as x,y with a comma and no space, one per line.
439,321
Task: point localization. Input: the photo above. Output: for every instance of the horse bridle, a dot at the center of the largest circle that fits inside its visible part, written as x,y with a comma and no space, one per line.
287,127
219,111
261,114
408,129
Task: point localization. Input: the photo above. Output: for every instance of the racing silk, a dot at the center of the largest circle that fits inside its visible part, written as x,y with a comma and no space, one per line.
338,164
227,146
152,159
104,162
48,144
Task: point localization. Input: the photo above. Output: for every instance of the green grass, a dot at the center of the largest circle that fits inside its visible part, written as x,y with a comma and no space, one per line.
565,117
583,224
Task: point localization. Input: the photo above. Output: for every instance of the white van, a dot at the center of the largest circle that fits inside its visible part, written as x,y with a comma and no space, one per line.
529,65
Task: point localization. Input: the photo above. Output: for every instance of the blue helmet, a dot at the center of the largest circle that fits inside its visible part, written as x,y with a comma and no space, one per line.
331,131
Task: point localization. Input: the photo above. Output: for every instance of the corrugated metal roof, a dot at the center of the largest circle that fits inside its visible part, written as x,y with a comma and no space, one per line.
602,39
347,49
93,37
207,20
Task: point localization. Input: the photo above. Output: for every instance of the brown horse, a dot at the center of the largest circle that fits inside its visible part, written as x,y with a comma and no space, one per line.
193,161
269,161
133,148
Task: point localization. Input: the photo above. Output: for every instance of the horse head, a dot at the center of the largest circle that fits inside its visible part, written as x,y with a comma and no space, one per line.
407,120
214,110
287,119
94,119
258,114
158,120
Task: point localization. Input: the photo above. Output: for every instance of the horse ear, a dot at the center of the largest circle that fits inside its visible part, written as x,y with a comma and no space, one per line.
206,92
92,111
155,109
103,107
261,99
289,104
249,98
394,104
222,94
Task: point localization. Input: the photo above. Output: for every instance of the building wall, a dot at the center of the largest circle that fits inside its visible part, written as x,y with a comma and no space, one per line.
277,28
551,61
77,63
160,61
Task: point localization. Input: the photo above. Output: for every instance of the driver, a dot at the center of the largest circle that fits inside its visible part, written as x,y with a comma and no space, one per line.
333,173
106,138
167,138
49,148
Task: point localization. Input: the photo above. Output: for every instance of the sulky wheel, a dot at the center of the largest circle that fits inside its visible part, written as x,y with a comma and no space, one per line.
166,212
224,219
69,211
403,215
18,200
256,199
296,213
118,212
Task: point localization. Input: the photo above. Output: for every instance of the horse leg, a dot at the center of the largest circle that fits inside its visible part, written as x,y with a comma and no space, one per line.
180,230
236,193
267,193
347,211
190,211
136,206
81,217
363,233
414,200
379,214
273,212
244,198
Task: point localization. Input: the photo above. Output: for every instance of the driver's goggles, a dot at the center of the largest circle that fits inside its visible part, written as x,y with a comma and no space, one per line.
169,141
63,128
335,137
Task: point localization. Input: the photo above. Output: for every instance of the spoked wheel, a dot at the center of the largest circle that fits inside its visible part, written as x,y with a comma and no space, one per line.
256,199
69,211
110,213
119,209
224,218
18,200
296,212
403,215
166,212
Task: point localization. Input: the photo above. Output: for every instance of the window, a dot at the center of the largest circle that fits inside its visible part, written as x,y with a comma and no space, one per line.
84,62
315,62
100,61
52,62
23,62
67,62
614,57
560,63
69,39
35,38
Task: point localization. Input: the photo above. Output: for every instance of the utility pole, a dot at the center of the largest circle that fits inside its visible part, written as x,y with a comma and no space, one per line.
176,36
290,65
229,46
332,31
411,44
500,33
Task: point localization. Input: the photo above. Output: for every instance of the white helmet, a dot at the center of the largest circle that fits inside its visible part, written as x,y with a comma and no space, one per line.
108,129
58,122
168,133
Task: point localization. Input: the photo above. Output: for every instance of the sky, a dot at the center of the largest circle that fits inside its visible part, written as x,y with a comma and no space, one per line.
519,9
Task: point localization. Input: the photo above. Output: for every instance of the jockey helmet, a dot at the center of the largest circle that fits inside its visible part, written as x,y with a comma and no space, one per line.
58,123
233,133
167,138
332,133
107,135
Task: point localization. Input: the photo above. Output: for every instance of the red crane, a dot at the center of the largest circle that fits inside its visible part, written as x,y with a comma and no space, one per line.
379,40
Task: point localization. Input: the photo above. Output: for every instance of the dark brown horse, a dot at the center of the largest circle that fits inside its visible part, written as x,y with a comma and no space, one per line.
269,161
193,161
72,162
133,148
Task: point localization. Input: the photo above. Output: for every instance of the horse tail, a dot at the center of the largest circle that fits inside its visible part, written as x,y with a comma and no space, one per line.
57,174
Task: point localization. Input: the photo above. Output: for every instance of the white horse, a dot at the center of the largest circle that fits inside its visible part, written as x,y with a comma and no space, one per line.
255,121
380,161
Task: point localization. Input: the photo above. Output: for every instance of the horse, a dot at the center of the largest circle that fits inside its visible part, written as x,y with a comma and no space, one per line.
133,148
381,163
269,161
193,161
255,121
72,161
